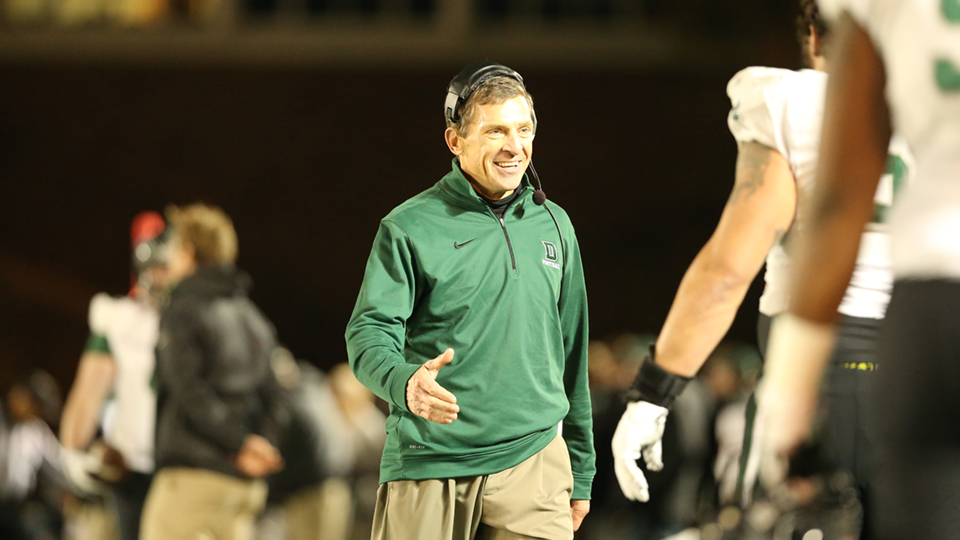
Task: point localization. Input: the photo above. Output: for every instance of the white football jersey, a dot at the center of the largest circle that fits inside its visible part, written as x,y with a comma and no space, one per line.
783,109
920,44
131,329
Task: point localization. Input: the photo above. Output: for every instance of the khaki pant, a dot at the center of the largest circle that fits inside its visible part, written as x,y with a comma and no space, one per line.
531,500
324,512
196,504
92,521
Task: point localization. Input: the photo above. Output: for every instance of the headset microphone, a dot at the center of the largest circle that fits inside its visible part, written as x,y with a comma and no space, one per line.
539,197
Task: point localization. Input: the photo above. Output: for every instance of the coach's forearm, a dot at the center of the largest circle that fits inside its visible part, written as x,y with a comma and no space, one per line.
385,373
578,434
706,303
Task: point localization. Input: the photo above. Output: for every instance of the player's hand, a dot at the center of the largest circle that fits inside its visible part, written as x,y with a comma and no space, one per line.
426,398
112,468
79,467
785,416
257,457
579,508
638,433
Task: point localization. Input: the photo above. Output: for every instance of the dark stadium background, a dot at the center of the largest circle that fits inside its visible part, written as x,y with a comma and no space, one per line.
308,156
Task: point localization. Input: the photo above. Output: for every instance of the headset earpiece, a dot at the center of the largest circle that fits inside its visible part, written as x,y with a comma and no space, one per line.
468,80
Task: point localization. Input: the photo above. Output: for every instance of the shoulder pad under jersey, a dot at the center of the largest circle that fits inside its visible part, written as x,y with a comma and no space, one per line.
103,313
758,102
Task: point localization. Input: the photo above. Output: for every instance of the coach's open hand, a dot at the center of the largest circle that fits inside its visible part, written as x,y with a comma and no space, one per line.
579,508
428,399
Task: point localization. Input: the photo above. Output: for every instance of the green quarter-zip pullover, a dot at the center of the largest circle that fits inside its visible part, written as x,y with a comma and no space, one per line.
508,296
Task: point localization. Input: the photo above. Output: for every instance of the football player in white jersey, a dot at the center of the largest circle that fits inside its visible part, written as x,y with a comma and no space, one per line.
114,383
776,119
898,68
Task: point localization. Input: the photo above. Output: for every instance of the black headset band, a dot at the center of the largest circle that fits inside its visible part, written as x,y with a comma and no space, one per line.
468,80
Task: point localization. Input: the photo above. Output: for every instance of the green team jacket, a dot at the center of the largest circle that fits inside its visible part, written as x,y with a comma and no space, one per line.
445,272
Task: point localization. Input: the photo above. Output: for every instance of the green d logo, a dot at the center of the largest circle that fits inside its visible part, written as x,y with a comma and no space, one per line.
551,248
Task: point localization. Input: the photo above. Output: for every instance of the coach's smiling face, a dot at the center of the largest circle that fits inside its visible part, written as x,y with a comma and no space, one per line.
496,148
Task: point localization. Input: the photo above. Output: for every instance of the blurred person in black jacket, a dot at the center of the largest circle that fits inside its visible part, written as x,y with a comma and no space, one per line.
220,407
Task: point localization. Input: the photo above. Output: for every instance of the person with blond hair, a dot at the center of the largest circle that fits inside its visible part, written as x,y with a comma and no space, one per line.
219,406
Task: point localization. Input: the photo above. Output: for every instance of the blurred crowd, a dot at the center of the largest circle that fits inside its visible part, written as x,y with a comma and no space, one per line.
701,445
332,450
81,485
133,13
147,13
151,12
120,13
81,468
327,489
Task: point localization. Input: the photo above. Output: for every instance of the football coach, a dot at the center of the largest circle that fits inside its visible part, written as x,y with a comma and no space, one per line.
472,324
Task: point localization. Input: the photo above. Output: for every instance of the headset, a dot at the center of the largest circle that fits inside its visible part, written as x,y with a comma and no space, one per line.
458,92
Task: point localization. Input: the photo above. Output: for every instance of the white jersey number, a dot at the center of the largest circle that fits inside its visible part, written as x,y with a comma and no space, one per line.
894,178
948,76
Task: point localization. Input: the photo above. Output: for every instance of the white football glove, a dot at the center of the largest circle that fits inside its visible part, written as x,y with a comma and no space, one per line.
79,467
639,433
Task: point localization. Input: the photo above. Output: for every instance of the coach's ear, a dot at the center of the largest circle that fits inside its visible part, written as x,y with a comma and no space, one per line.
454,141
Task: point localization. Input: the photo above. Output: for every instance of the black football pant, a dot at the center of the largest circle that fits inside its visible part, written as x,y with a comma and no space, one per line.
130,497
845,401
916,414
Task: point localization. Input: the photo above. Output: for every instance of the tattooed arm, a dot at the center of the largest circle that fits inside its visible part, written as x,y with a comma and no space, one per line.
758,213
